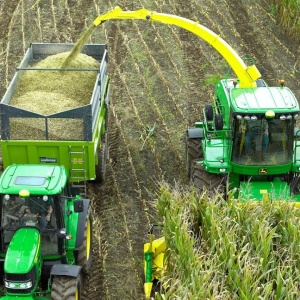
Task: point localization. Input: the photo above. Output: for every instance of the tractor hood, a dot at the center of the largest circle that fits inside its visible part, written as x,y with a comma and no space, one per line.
23,251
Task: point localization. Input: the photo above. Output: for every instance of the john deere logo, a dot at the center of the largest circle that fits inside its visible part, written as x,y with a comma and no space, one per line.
263,171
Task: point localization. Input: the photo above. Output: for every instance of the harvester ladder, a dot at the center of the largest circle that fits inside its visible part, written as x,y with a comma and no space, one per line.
78,169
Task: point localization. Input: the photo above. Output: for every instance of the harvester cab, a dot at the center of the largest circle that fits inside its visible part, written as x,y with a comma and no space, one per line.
45,236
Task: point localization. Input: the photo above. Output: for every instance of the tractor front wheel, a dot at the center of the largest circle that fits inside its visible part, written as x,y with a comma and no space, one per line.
84,257
66,288
193,152
205,181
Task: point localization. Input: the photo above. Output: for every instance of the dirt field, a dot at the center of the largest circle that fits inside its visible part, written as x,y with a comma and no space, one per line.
161,77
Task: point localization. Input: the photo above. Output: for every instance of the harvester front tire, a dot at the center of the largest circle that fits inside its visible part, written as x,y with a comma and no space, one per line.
84,257
102,159
66,288
205,181
193,151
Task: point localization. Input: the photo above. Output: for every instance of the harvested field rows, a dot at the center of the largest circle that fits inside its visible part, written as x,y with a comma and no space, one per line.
161,77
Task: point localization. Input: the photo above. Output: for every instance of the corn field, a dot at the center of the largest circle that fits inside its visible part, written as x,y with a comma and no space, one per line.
228,250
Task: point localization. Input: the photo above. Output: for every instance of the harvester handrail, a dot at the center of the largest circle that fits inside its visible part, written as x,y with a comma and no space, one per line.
246,74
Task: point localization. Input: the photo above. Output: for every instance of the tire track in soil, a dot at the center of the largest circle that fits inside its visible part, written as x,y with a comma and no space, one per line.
94,283
250,39
193,52
124,238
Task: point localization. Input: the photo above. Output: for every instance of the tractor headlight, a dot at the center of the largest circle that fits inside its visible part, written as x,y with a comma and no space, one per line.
18,285
222,170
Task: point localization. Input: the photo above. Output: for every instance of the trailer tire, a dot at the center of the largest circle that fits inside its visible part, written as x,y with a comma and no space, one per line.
84,256
205,181
102,159
66,288
193,151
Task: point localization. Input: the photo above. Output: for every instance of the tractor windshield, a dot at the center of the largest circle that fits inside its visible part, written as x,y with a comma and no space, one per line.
262,141
15,214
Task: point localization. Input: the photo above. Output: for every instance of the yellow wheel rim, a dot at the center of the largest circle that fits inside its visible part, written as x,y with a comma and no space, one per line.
88,239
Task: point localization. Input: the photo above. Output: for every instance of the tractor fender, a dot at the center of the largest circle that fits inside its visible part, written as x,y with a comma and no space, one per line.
65,270
195,133
81,223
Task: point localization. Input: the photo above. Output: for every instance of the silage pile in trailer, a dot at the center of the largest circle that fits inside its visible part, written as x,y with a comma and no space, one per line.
49,92
226,250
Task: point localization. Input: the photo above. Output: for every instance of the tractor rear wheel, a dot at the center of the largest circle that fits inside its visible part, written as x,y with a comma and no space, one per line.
193,151
205,181
66,288
84,257
102,159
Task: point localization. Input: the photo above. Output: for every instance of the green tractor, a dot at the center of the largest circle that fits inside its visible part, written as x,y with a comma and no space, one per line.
247,142
46,234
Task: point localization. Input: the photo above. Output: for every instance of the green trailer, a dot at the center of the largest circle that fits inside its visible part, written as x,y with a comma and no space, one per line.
83,151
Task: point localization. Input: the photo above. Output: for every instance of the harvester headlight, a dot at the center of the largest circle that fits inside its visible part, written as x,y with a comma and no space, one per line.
45,198
253,118
222,170
247,117
296,116
289,117
6,197
282,117
239,117
270,114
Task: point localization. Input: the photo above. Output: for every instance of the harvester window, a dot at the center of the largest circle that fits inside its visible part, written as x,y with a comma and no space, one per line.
262,142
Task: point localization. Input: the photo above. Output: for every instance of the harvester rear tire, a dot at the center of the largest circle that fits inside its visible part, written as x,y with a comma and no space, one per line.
84,257
193,152
102,159
205,181
66,288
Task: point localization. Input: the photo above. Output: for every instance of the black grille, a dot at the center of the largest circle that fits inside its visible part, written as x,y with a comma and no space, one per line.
21,278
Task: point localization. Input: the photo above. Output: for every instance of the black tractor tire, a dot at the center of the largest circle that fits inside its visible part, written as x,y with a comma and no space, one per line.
218,122
193,151
103,155
205,181
209,113
85,251
66,288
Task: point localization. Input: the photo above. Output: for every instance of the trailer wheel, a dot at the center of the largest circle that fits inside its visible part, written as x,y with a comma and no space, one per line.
102,159
84,257
66,288
205,181
193,151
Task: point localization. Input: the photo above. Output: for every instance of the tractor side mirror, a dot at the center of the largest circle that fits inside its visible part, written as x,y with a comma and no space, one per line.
78,206
62,233
75,191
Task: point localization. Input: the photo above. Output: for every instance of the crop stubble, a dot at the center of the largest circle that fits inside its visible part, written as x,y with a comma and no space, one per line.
158,77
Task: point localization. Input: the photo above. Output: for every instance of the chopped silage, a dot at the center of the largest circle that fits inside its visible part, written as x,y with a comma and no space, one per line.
49,92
